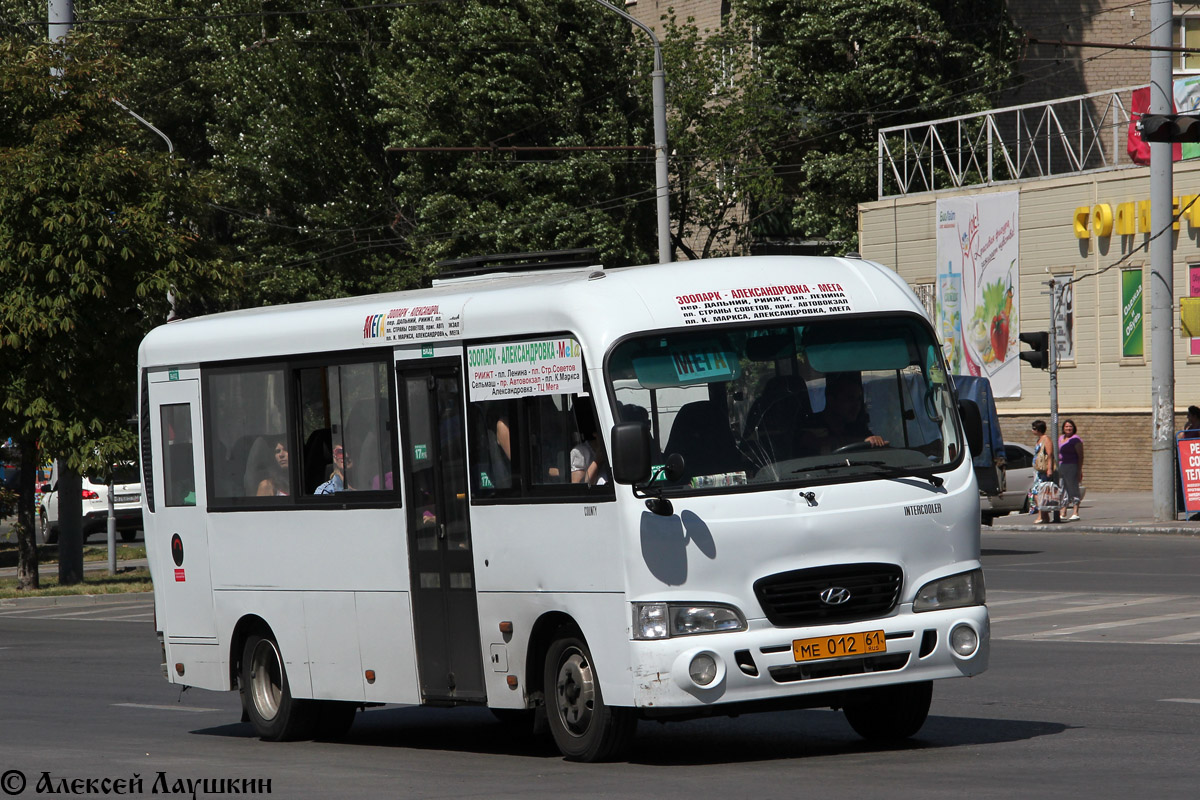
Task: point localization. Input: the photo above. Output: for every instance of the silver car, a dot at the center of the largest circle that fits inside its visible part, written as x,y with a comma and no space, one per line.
1019,477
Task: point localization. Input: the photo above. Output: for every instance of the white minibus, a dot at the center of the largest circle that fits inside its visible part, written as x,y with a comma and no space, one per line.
594,496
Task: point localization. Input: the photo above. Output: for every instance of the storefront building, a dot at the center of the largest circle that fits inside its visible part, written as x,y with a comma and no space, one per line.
962,250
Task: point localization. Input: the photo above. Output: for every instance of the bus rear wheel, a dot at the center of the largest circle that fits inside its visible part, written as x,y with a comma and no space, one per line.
266,696
583,726
890,713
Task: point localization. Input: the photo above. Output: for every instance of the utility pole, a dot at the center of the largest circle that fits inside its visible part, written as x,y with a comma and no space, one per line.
1162,272
1052,354
659,89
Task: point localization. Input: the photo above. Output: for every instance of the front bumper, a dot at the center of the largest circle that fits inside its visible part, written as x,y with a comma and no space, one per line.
757,664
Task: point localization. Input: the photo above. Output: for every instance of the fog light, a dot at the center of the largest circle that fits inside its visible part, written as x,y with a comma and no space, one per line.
964,640
703,669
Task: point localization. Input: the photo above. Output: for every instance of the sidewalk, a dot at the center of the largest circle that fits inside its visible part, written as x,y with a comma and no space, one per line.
1106,512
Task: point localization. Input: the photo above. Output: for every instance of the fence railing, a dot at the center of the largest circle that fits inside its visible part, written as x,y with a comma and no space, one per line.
1066,136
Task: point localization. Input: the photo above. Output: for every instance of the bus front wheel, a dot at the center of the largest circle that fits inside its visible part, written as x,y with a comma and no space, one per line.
266,697
583,726
890,713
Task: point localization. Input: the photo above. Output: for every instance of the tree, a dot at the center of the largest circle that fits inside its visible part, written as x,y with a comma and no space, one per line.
844,68
519,73
93,234
721,118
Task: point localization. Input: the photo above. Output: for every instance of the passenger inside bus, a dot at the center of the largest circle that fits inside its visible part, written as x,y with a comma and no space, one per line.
843,422
589,462
267,467
337,481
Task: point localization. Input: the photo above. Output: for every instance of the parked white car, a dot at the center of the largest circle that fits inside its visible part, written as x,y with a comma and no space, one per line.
1018,481
127,490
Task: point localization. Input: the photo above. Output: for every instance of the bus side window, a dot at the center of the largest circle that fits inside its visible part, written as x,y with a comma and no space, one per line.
179,477
345,423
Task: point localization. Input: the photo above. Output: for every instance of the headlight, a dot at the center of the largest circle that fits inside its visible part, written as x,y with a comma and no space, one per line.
957,591
663,620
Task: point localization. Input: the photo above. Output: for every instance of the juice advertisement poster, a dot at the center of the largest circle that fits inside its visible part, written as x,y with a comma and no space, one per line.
977,239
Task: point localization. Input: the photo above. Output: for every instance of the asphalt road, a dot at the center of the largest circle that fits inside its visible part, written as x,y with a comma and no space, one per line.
1093,691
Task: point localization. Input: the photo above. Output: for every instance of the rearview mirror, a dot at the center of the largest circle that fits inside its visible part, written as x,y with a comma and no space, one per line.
631,452
972,425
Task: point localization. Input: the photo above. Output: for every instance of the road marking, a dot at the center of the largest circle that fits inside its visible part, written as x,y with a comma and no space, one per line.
1121,623
164,708
1039,599
1181,700
1178,638
1137,601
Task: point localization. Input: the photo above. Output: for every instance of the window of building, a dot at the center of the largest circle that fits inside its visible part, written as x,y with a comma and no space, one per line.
1188,28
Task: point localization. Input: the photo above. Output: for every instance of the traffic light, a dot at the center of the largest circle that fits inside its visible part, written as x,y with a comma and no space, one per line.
1039,356
1169,128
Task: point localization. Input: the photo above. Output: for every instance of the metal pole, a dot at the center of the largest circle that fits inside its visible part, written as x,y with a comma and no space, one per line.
112,528
1162,272
1053,356
661,173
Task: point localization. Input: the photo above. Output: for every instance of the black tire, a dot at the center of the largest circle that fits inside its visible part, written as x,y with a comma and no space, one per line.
890,713
128,536
584,727
49,533
266,696
333,719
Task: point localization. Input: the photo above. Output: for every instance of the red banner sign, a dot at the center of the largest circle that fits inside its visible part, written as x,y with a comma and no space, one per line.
1189,473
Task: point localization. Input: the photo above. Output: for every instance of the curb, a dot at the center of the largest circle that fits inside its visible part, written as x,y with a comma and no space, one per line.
72,600
1170,530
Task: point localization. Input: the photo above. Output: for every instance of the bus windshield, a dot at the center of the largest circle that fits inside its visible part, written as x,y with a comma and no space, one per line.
825,401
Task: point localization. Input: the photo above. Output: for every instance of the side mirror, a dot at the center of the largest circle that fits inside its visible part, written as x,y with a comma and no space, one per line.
972,422
631,452
44,488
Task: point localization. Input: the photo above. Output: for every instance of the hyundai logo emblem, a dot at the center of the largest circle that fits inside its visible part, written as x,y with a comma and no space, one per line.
835,596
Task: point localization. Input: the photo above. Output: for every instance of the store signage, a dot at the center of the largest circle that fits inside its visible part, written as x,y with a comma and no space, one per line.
1132,335
1130,218
1189,471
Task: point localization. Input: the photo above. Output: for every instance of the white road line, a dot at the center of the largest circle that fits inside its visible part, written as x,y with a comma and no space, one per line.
95,610
1132,601
1180,700
1121,623
1037,599
1178,638
164,708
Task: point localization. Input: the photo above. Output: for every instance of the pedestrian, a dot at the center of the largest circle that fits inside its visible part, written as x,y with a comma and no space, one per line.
1070,465
1044,488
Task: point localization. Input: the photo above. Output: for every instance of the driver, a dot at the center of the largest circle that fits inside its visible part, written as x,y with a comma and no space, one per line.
844,420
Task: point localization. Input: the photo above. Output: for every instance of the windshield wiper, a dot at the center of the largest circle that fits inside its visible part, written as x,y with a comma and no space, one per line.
884,470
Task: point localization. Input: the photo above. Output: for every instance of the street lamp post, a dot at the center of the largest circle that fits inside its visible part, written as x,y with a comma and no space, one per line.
659,78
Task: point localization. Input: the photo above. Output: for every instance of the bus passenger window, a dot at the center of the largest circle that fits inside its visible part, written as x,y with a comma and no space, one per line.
247,408
537,446
179,477
345,424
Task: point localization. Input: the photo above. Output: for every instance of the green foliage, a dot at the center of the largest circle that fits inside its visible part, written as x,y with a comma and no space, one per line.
720,116
92,236
844,68
519,73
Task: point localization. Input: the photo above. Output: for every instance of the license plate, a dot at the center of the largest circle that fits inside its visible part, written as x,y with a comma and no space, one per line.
127,498
843,644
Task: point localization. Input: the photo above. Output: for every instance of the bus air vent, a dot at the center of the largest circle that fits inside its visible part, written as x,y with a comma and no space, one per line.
858,591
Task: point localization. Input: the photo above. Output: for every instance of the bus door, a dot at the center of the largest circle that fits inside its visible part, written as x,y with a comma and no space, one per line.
433,436
180,536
